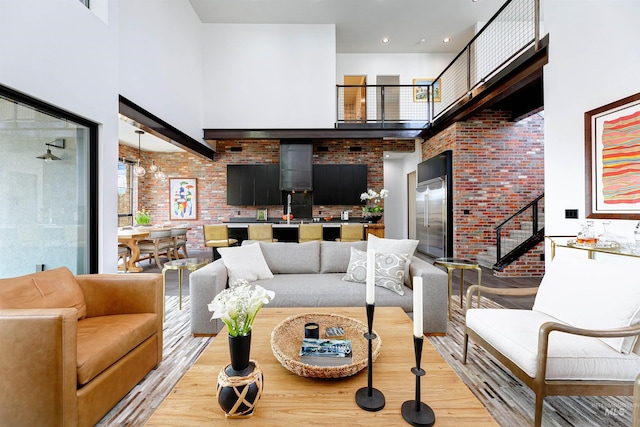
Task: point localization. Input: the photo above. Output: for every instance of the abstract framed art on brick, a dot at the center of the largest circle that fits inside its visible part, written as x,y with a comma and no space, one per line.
183,198
612,160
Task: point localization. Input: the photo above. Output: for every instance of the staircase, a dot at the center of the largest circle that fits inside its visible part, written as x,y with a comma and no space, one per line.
489,257
515,236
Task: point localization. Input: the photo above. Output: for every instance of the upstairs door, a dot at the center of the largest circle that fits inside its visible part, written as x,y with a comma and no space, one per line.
355,99
388,98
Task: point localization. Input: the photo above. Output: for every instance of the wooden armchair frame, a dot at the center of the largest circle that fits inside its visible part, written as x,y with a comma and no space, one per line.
540,385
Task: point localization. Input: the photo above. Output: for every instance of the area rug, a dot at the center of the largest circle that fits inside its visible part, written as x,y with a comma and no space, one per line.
508,400
180,351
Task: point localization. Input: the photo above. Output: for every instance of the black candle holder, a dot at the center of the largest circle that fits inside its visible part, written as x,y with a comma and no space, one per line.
369,398
415,412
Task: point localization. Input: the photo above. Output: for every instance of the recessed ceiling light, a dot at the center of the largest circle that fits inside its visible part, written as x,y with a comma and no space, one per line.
423,40
475,1
446,40
385,40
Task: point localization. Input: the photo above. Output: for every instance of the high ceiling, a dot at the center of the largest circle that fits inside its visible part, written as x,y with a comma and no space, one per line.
412,26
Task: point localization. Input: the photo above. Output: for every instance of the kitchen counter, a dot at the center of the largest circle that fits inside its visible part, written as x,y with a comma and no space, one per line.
289,232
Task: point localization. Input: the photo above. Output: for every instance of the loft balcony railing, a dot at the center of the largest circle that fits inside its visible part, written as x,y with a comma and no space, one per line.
513,30
383,106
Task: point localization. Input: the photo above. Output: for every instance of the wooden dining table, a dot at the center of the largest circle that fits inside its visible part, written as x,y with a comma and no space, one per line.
131,237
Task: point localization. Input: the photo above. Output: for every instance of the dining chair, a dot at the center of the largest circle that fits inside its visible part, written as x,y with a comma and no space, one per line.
261,232
159,243
309,232
351,233
179,236
217,236
123,254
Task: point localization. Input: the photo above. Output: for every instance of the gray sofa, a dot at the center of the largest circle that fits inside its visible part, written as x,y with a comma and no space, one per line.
310,275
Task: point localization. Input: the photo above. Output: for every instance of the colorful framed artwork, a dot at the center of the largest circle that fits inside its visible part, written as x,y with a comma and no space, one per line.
183,198
261,215
421,90
612,160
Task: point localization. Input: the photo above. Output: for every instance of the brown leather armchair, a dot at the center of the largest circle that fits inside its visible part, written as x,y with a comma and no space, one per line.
73,346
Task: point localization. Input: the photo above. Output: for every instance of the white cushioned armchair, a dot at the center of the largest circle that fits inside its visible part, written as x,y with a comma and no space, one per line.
579,338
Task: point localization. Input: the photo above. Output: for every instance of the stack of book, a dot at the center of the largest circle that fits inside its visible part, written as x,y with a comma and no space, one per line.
325,352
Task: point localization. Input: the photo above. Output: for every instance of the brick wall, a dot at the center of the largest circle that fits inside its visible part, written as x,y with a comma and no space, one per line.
212,176
498,167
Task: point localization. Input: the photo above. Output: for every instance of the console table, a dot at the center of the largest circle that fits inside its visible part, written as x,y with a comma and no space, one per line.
569,242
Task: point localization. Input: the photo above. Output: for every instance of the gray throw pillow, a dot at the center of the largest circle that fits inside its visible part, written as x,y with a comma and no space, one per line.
389,271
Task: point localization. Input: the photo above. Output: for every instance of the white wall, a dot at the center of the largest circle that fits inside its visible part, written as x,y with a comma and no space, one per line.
62,53
160,61
396,219
269,76
395,204
408,66
593,60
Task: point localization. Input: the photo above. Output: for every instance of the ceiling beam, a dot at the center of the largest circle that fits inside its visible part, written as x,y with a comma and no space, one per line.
154,124
212,135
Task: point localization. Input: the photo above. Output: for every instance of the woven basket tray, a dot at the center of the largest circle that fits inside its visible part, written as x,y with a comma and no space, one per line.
286,340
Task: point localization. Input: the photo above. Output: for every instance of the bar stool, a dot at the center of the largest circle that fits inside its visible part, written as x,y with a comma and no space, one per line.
351,232
217,236
309,232
462,264
261,232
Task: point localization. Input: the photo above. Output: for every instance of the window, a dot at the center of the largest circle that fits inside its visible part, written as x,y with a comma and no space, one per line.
125,193
47,188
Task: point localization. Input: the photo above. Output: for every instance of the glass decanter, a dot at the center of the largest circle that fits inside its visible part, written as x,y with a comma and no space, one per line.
586,236
606,240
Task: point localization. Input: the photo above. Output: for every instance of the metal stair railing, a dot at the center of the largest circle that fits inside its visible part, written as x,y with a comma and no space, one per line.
522,231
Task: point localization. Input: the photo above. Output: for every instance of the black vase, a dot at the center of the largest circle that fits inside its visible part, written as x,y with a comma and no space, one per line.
372,218
239,350
238,392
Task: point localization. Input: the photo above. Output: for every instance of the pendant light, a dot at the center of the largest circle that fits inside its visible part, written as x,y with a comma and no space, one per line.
160,176
153,167
137,169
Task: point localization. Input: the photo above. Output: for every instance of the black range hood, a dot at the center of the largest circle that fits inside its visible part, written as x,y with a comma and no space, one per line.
296,165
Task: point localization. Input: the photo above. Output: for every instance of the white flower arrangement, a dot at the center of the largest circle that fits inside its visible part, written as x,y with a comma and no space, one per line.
238,305
375,197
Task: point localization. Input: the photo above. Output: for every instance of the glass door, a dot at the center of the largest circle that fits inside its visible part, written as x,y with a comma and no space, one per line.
45,186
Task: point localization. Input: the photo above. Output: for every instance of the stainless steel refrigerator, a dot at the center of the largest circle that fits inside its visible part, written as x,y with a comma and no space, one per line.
431,217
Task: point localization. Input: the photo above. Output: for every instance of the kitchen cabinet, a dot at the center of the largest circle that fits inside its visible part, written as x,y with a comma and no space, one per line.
253,185
339,184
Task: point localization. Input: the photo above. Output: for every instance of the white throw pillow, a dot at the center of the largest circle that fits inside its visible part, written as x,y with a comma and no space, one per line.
593,295
389,270
395,246
245,263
